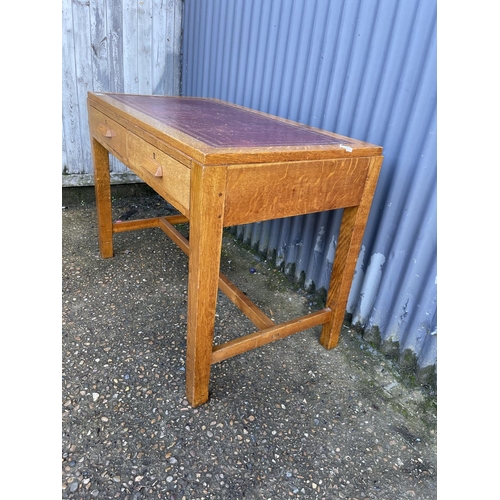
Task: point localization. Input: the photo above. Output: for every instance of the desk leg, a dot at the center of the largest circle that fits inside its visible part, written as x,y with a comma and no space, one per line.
103,198
205,241
351,233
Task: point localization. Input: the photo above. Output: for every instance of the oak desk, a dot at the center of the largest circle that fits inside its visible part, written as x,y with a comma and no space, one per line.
222,165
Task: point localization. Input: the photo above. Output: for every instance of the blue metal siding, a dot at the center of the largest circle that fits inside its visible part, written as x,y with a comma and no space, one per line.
361,68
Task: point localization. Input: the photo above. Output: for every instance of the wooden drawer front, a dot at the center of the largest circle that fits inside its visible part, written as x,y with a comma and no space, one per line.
167,176
109,133
275,190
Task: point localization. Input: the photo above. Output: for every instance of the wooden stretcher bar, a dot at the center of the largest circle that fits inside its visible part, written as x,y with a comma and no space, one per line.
268,331
262,337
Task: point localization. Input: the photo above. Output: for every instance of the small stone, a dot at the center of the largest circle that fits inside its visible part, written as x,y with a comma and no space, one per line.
95,396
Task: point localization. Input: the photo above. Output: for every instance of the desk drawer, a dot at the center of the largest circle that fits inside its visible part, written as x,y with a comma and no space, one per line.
167,176
108,132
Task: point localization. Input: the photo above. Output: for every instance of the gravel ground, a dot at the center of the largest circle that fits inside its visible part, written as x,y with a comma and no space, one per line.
288,420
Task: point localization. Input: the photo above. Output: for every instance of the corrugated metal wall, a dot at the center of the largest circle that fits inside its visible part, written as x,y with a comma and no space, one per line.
361,68
129,46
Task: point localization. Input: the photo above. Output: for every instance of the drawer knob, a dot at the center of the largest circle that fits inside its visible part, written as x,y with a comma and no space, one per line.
152,166
106,131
